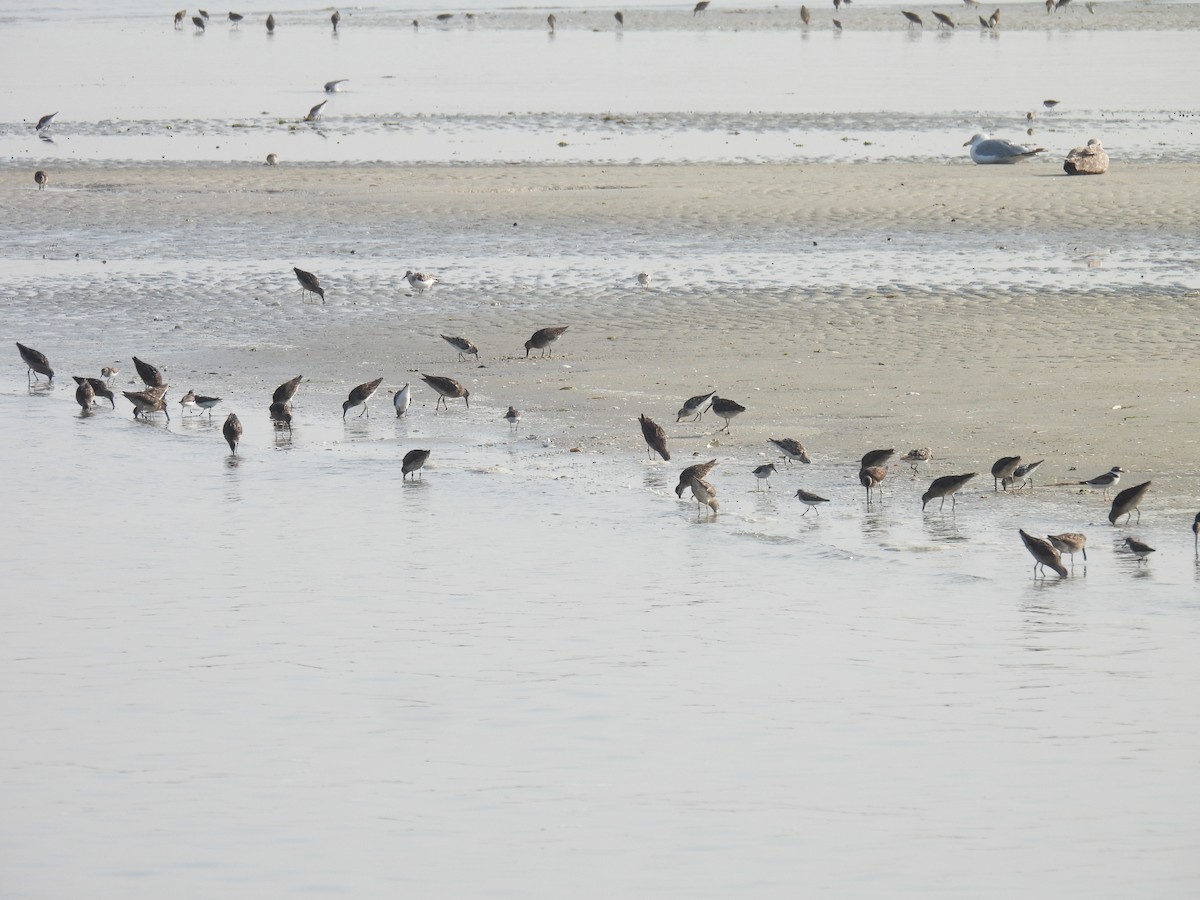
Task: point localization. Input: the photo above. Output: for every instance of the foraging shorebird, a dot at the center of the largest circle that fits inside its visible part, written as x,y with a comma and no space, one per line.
643,279
543,338
1044,554
335,20
462,345
401,400
872,477
946,486
203,13
108,373
705,494
235,19
656,438
36,361
1139,549
85,394
147,402
179,17
913,19
1070,542
1105,481
281,413
419,281
1050,104
148,373
99,388
513,417
991,151
692,407
1023,475
984,23
270,23
944,21
1196,533
726,409
914,458
40,178
805,15
1089,160
191,400
413,461
763,473
287,390
334,87
699,470
551,21
272,159
873,458
994,18
791,450
360,395
810,500
309,282
837,26
446,388
700,7
198,22
44,121
620,17
232,430
1126,503
315,112
1002,471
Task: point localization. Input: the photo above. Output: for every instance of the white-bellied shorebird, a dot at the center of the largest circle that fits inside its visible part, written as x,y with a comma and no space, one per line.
699,470
1105,481
1043,553
85,394
1002,470
463,346
40,178
726,409
419,281
705,494
871,477
692,406
360,395
148,402
232,430
108,373
447,388
148,373
100,388
315,113
513,417
335,87
36,361
992,151
1126,503
1069,542
914,458
1139,549
272,159
309,282
805,15
643,279
656,438
791,450
543,338
414,460
192,400
873,458
401,400
763,473
946,486
810,500
44,122
1023,475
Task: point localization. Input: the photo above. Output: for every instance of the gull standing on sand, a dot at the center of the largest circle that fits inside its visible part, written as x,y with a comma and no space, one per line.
360,395
543,338
726,409
40,178
99,388
699,470
1105,481
946,486
1127,502
413,462
401,400
232,430
810,500
791,450
763,473
1089,160
463,346
309,282
447,388
987,151
1071,542
656,438
1044,554
692,407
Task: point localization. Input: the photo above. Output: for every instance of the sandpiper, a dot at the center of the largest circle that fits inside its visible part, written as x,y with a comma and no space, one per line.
1126,503
463,346
414,460
179,17
419,281
873,458
335,20
108,373
40,178
309,282
810,500
700,7
915,457
1070,542
192,400
199,23
315,113
699,470
287,390
148,373
1105,481
44,121
543,338
447,388
946,486
692,407
805,15
270,23
85,394
235,19
620,17
551,21
1023,475
147,402
726,409
705,494
1138,548
643,279
944,21
360,395
1196,533
913,19
281,414
791,449
1043,553
36,361
763,473
656,438
401,400
232,429
335,87
872,477
513,417
1002,470
272,159
99,388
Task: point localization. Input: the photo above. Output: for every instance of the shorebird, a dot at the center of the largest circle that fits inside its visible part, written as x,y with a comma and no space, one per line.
994,18
85,394
315,113
726,409
1002,470
463,346
620,17
419,281
287,390
148,373
147,402
99,388
281,413
1044,554
203,13
705,494
543,338
1070,542
198,22
1050,104
811,500
946,486
235,19
1105,481
763,473
1139,549
333,87
873,458
414,460
944,21
990,151
656,438
1023,475
270,23
643,279
40,178
699,470
791,449
309,282
913,18
914,458
805,15
984,23
36,361
1126,503
1196,533
191,400
700,7
401,400
446,388
837,26
360,395
872,477
272,159
551,21
335,19
232,429
692,407
44,121
108,373
513,417
179,17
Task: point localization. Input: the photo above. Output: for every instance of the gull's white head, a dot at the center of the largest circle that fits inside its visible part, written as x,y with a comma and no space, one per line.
975,139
